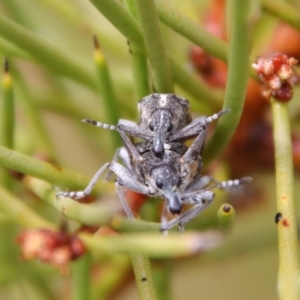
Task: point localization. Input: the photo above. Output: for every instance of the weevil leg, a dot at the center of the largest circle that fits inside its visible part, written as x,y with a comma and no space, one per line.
127,180
195,148
193,128
132,151
196,126
125,126
230,185
199,183
121,153
80,194
164,219
134,129
210,183
201,199
122,197
124,178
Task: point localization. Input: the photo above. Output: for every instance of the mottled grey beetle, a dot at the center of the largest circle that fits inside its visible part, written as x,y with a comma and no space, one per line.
163,118
162,166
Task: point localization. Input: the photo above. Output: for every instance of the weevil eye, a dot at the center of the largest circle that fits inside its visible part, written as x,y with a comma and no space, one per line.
151,125
159,183
169,126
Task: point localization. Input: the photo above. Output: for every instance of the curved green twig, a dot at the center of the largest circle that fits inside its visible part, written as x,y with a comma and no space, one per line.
190,29
12,50
283,10
27,165
237,79
45,53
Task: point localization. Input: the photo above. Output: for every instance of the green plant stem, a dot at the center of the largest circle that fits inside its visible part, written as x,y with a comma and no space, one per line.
111,106
288,277
143,276
81,278
138,62
122,20
283,10
153,245
162,278
112,275
27,165
140,73
192,30
7,113
162,77
21,213
33,116
236,81
195,85
87,214
7,118
44,52
155,47
129,27
10,50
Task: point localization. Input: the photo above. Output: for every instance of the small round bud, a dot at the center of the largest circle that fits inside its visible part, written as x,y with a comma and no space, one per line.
226,214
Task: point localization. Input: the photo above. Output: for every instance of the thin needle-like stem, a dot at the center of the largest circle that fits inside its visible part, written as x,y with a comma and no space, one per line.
143,276
7,119
42,51
190,29
106,89
155,48
33,115
237,79
288,277
27,165
283,10
129,27
138,62
81,279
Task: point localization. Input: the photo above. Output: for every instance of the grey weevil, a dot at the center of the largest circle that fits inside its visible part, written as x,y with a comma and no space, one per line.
174,173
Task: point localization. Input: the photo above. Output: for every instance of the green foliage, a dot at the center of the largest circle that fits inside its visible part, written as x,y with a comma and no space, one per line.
53,82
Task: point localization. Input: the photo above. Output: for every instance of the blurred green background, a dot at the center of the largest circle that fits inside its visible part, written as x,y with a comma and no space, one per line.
49,107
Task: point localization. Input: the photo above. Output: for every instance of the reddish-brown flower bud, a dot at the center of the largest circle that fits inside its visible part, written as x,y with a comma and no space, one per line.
55,248
277,75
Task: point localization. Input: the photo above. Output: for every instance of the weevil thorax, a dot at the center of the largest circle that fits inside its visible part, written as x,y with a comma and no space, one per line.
176,105
166,180
163,114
